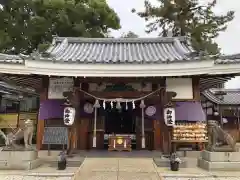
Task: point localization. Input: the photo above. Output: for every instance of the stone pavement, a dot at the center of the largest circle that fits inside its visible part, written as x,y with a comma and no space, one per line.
44,172
117,169
142,169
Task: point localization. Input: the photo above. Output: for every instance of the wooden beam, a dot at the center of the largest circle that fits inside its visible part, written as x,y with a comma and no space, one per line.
121,94
31,81
196,88
121,79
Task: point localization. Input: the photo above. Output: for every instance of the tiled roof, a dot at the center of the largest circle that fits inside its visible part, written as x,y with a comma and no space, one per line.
229,97
13,59
119,50
228,59
14,89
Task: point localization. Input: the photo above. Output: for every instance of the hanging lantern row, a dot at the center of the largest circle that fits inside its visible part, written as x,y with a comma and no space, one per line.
118,105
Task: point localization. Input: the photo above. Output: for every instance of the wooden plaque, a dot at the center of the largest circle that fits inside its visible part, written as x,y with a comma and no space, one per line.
119,143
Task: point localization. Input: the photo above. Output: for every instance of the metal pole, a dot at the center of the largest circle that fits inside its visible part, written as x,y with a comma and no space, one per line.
143,129
95,128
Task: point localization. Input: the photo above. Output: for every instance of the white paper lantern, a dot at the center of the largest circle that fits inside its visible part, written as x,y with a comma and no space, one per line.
69,116
169,116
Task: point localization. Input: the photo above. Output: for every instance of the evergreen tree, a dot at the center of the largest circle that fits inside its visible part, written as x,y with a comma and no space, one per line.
27,24
187,18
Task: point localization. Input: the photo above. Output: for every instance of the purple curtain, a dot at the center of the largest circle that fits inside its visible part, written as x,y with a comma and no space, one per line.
185,111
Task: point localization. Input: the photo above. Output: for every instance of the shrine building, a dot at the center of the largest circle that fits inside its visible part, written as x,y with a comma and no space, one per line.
224,103
144,91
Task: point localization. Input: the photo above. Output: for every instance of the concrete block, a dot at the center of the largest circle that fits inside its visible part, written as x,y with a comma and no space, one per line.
18,155
19,160
193,154
180,153
44,154
218,166
221,156
35,164
17,165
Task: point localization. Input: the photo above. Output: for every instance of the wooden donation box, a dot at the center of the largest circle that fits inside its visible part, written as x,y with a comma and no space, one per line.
119,143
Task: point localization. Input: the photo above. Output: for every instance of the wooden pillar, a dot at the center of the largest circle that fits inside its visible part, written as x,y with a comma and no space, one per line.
159,125
157,134
40,122
196,88
166,132
83,134
77,117
72,130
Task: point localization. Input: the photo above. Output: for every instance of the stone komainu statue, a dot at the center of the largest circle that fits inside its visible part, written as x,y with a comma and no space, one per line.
26,132
215,133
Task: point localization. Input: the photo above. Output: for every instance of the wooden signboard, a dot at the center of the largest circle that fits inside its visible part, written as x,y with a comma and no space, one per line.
119,143
55,135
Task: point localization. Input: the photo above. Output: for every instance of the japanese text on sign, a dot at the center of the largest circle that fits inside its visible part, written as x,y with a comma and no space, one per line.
59,85
55,135
69,116
169,116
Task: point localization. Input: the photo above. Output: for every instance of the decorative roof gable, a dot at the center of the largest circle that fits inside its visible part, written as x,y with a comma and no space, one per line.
223,96
228,59
13,59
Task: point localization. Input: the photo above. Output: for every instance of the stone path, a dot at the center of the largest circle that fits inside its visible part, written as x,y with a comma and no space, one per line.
44,172
117,169
17,177
137,169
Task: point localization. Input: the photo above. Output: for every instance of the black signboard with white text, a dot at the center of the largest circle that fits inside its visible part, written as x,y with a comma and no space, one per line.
55,135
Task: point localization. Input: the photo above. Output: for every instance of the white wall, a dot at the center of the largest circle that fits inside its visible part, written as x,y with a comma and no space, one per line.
182,86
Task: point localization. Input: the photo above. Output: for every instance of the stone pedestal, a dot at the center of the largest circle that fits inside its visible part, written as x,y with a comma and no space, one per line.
227,161
19,160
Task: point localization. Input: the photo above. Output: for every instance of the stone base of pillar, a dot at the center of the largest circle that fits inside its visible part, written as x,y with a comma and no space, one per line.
94,144
143,143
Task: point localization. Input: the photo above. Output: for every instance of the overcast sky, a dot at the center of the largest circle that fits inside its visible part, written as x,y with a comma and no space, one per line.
229,40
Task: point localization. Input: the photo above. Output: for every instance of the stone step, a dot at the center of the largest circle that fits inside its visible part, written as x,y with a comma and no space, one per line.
69,163
190,154
165,162
221,156
219,166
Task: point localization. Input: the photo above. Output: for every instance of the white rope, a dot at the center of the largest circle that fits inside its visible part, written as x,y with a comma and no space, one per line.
121,99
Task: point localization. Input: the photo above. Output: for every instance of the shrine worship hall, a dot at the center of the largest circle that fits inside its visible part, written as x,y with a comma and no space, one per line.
119,94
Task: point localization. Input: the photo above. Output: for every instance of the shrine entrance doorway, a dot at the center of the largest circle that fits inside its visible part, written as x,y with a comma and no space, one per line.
120,121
